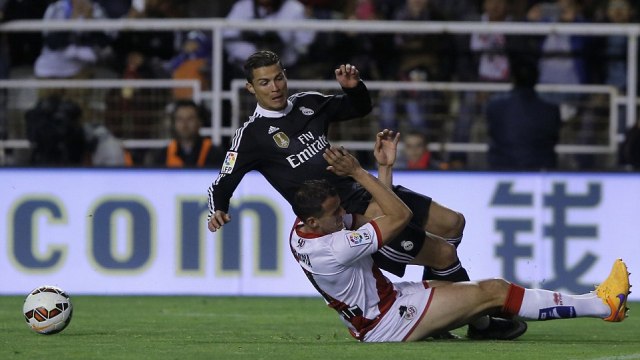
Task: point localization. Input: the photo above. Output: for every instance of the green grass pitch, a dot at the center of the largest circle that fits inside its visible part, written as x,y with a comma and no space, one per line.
198,327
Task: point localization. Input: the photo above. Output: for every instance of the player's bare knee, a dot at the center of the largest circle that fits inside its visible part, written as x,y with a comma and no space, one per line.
454,225
462,222
494,290
458,224
445,223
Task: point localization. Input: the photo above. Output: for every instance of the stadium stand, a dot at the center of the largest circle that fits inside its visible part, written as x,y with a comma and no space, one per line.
596,112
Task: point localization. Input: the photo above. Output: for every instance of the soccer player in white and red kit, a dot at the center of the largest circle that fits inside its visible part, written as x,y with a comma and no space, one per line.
338,263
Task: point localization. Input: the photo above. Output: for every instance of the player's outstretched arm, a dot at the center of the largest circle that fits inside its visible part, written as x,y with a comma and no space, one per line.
218,219
396,214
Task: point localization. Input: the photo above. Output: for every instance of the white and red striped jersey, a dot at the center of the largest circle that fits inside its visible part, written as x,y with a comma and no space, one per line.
340,267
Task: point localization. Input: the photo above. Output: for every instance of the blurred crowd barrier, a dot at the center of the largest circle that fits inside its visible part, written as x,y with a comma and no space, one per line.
595,116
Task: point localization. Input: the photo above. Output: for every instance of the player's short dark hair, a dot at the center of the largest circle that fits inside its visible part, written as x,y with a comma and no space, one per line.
309,197
260,59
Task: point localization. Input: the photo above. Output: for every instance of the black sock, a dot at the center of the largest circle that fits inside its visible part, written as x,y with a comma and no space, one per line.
453,273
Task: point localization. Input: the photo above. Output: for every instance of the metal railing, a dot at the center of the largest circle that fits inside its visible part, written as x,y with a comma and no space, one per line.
239,115
216,26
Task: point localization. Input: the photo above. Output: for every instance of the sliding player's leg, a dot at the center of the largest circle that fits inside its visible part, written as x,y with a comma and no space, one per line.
416,247
455,304
446,226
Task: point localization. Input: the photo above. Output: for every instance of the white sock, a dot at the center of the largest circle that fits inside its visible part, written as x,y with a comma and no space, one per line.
539,304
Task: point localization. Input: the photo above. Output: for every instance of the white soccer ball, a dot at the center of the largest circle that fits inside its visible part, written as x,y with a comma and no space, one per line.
47,310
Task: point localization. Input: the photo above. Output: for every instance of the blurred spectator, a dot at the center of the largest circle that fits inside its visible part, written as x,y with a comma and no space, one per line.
193,62
416,155
565,59
68,54
292,45
328,47
618,12
208,8
71,54
25,47
523,129
58,137
615,62
493,64
55,132
4,74
369,52
188,148
458,10
115,9
631,148
142,54
592,9
486,61
562,60
419,58
327,9
134,112
104,148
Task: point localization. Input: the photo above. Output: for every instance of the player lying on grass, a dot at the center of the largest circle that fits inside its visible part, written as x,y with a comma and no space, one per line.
338,263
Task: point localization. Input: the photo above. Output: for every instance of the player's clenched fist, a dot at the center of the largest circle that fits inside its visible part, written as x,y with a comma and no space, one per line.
218,219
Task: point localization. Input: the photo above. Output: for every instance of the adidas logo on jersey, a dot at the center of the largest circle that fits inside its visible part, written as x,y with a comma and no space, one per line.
273,129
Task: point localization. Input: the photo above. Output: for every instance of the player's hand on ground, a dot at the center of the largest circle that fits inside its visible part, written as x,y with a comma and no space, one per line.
218,219
348,76
386,147
341,162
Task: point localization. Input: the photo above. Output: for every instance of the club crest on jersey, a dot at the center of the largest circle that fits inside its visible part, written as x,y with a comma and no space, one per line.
229,162
356,238
408,312
281,139
305,111
406,245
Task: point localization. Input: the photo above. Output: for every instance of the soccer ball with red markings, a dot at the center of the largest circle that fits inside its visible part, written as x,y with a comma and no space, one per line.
47,310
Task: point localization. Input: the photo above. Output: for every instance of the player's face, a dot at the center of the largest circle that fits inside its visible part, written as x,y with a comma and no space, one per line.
332,216
269,85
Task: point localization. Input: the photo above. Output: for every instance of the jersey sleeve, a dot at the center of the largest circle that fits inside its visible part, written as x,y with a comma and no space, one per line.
238,161
350,245
355,103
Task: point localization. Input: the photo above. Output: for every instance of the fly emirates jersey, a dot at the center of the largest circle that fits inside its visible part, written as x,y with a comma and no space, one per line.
286,146
340,267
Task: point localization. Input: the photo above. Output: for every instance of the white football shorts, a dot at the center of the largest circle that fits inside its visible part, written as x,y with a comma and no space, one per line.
404,315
